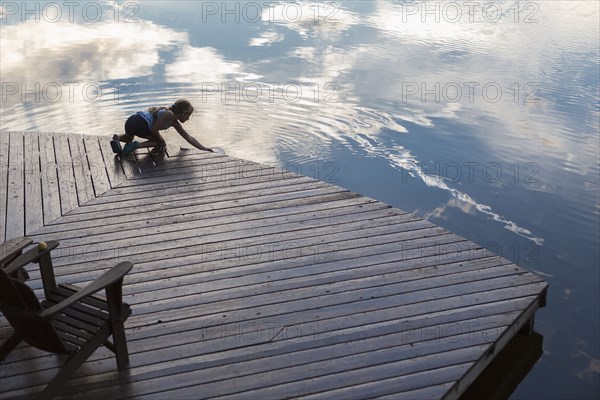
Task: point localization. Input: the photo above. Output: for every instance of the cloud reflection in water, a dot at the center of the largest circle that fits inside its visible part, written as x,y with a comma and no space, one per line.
351,89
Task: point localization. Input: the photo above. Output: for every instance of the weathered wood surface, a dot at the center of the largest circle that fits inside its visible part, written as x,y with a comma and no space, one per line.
253,282
44,176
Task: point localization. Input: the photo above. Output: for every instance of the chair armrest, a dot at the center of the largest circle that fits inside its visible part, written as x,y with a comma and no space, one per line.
30,255
110,277
11,247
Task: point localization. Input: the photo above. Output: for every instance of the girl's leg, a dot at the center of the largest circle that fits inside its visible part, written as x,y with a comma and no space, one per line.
137,126
126,138
147,143
115,145
131,146
134,126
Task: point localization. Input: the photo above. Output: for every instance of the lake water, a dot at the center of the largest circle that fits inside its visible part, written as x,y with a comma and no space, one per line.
481,117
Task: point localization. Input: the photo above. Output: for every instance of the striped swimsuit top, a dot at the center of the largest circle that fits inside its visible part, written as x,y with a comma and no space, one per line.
147,115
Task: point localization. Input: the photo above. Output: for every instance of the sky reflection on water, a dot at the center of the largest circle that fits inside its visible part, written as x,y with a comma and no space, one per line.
504,150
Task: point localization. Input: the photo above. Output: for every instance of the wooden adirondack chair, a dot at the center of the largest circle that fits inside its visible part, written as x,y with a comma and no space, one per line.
70,320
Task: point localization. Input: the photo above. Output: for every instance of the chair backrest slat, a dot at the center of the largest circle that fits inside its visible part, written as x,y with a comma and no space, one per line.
12,248
22,309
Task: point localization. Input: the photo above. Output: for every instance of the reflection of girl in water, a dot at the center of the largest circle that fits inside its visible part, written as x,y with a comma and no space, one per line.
146,124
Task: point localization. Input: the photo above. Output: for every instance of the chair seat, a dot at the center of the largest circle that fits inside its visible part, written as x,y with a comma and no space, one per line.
79,323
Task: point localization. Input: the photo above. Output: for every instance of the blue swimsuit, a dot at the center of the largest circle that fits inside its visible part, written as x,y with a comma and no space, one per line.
139,124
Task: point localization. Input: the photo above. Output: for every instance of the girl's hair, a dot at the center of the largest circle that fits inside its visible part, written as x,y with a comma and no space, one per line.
178,107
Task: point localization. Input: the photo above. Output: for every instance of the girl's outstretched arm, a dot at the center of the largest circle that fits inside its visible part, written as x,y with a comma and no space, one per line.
189,138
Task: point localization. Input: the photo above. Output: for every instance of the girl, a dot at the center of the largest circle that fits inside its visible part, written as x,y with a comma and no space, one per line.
146,124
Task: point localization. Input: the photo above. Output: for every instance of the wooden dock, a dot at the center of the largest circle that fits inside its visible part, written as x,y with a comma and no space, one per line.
251,282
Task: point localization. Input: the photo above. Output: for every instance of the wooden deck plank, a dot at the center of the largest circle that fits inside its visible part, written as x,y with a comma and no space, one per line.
215,387
396,307
50,187
347,258
264,300
176,152
15,204
410,330
206,166
291,287
159,204
174,230
96,165
395,388
357,366
197,183
198,186
180,214
159,158
503,338
66,178
209,251
290,202
112,162
34,217
129,166
226,343
405,239
305,334
232,171
217,223
196,193
81,169
186,175
359,302
272,282
233,329
256,211
362,368
180,183
330,291
175,160
334,212
4,171
250,281
145,163
215,262
214,268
